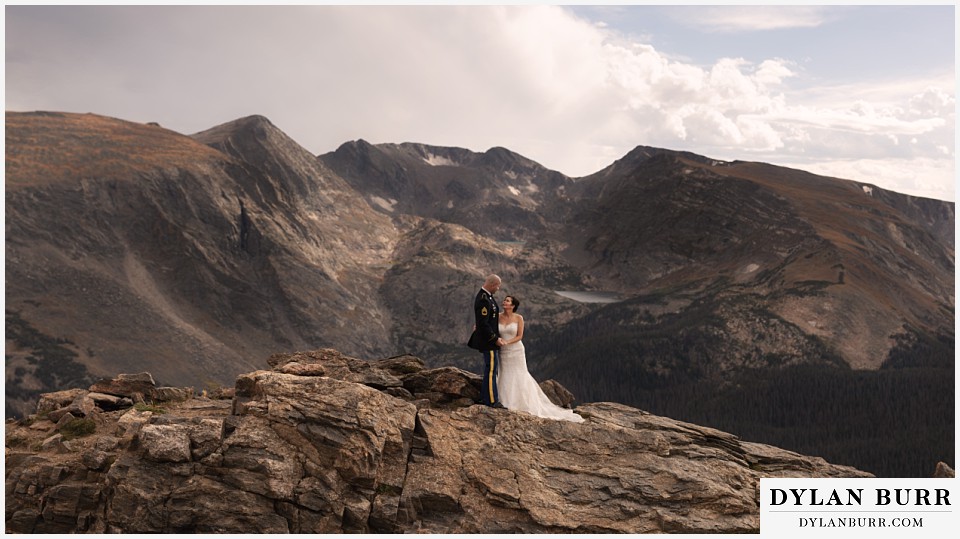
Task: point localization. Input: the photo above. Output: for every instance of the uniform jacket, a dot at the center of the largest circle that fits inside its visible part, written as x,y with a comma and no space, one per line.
487,315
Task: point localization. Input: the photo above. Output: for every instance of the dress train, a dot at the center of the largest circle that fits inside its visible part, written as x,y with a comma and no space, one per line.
517,388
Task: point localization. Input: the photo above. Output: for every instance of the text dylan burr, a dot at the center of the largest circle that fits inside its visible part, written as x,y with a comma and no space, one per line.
896,497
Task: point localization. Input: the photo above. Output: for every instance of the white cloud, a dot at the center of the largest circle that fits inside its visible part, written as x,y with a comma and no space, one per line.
773,72
933,101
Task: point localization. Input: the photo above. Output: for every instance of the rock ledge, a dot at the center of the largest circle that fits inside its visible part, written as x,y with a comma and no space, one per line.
324,443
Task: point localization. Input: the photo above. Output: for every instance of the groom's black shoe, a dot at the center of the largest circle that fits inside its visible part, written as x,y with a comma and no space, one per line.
498,405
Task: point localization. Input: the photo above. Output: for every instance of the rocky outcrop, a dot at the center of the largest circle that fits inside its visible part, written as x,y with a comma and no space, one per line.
944,470
325,443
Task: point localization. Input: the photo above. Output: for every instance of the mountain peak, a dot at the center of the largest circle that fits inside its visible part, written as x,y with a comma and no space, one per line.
641,155
261,144
502,158
257,126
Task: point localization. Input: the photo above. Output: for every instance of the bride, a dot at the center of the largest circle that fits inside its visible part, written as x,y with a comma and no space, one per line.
516,387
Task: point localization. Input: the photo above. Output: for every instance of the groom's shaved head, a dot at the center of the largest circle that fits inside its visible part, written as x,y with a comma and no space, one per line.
492,284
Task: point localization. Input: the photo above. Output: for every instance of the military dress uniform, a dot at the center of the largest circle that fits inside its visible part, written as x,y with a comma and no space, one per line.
484,338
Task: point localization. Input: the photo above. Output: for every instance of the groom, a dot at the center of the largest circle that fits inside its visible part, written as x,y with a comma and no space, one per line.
486,338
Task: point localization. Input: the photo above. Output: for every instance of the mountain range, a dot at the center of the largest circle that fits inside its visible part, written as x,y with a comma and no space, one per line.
668,281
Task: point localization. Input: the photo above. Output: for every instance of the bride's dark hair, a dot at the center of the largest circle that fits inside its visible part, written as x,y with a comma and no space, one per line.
515,302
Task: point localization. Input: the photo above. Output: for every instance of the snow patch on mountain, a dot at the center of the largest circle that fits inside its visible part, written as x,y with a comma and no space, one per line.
384,203
438,160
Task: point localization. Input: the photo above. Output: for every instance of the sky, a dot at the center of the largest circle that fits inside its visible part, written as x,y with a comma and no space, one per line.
860,92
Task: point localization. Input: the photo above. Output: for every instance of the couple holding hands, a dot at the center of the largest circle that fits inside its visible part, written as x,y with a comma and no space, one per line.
498,336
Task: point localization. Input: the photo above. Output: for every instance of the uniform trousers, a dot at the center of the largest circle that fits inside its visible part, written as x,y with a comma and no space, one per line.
491,370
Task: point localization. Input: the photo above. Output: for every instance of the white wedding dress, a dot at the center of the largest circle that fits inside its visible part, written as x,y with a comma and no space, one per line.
517,388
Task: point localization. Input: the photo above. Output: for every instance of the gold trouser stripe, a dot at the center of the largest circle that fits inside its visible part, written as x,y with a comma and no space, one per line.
490,378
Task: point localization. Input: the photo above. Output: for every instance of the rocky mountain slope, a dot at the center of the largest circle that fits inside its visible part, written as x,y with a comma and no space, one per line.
134,248
842,267
497,194
326,443
799,268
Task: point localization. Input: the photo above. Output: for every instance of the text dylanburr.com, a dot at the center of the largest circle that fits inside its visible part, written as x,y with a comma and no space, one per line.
873,507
